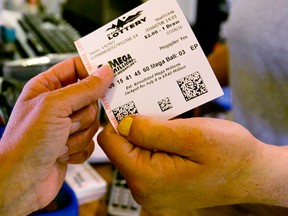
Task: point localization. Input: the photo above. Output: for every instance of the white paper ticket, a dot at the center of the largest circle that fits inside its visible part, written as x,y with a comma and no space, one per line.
160,69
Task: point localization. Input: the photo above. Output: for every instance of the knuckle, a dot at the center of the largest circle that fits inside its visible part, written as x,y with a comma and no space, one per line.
87,87
92,111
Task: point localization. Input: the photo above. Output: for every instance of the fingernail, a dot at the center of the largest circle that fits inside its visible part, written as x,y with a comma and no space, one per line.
103,72
125,125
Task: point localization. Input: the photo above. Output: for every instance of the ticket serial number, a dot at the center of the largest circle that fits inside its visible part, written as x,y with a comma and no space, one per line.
165,23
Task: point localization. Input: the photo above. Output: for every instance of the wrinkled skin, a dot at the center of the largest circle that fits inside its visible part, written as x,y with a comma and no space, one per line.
173,167
52,125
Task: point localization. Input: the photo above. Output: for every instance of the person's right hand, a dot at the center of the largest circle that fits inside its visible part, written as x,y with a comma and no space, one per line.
52,124
185,164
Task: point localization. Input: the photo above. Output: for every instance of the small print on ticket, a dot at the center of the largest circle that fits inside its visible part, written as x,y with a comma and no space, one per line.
159,66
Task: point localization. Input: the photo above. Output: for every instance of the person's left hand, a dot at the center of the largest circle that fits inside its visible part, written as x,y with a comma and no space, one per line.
52,124
180,165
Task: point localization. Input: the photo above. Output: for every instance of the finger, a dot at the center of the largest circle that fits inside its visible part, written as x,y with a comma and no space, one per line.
84,118
56,77
78,141
78,95
88,90
66,72
128,157
117,148
172,136
79,157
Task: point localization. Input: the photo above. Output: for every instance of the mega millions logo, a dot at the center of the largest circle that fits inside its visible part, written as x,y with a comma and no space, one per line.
122,63
125,24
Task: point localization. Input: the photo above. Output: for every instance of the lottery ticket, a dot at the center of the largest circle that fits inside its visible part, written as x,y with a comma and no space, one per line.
159,66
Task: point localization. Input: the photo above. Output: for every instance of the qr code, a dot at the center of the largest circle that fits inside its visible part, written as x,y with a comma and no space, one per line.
165,104
192,86
124,110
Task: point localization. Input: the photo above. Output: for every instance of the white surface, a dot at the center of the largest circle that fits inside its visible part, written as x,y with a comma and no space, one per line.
98,156
150,48
86,183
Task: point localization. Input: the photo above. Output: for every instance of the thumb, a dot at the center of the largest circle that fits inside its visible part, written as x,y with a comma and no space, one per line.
156,134
78,95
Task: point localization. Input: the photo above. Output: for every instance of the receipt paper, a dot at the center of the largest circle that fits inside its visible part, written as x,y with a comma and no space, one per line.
159,67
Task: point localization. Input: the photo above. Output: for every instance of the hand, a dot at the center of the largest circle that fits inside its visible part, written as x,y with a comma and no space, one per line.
185,164
52,124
